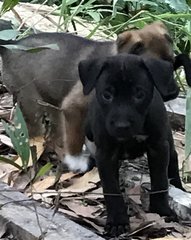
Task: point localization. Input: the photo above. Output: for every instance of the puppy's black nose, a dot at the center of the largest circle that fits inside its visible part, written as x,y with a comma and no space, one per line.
122,126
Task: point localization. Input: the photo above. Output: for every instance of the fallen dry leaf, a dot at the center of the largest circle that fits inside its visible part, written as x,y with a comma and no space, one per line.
82,184
187,186
135,222
69,213
169,238
81,209
22,179
5,171
99,229
176,227
44,194
142,227
187,235
43,184
48,181
95,194
3,229
134,194
6,140
153,217
38,142
176,234
80,219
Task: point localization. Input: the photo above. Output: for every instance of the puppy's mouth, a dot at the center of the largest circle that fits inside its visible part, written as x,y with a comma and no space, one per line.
138,138
130,135
122,137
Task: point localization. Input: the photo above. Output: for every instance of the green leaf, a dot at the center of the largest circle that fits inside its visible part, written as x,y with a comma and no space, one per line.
8,34
31,49
150,3
10,161
97,26
70,2
44,170
18,133
189,2
187,161
177,5
8,5
95,15
114,8
144,2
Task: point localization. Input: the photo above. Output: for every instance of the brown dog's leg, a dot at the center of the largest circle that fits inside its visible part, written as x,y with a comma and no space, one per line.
55,132
75,107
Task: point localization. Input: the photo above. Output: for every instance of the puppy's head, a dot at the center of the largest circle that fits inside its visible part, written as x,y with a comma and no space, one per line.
152,41
124,87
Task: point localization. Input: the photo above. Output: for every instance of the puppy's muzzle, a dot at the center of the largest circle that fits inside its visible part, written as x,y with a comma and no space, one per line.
121,129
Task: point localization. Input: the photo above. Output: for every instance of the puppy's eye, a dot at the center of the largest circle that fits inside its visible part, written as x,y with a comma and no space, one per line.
107,96
139,94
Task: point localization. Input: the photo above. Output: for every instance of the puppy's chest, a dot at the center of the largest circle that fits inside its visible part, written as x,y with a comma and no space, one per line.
134,147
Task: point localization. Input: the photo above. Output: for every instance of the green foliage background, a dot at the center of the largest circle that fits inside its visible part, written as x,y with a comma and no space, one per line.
118,15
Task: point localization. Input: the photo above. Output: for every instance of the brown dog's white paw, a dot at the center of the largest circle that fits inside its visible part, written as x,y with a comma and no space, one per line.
79,163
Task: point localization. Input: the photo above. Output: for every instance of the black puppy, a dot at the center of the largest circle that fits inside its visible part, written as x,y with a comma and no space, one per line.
127,113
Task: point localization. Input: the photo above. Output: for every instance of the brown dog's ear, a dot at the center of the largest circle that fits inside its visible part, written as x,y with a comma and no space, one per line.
122,39
184,60
130,42
89,71
162,75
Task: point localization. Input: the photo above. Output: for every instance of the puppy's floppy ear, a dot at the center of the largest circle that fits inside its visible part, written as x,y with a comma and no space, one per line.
89,71
184,60
162,75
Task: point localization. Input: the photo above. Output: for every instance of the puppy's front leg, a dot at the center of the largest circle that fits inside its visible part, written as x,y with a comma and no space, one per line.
173,169
108,167
158,159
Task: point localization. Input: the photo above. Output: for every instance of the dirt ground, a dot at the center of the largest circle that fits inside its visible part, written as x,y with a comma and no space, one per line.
80,196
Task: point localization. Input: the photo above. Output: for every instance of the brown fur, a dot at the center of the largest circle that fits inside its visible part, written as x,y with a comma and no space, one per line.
156,42
75,106
154,37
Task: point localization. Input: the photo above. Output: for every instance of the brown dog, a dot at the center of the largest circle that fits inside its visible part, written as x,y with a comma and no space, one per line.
44,82
153,40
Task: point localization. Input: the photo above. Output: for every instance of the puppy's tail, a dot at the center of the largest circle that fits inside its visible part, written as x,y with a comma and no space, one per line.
184,60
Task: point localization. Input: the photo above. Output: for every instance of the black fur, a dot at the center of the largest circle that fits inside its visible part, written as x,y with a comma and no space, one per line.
127,105
184,60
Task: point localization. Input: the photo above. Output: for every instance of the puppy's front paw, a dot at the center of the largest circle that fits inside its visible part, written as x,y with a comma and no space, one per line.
116,227
159,204
171,216
166,211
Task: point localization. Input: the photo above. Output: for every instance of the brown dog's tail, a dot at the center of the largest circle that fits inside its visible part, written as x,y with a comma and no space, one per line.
184,60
